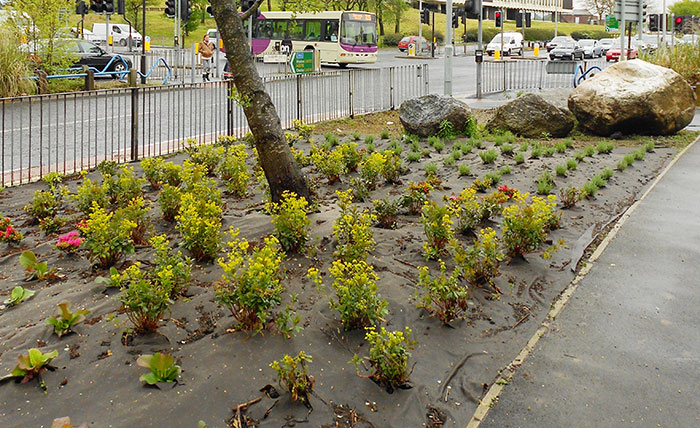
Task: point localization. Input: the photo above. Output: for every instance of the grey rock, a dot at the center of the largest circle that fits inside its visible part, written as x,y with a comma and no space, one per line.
531,116
422,116
634,97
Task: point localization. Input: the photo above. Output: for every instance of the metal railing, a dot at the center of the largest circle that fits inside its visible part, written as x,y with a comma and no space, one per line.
508,75
70,132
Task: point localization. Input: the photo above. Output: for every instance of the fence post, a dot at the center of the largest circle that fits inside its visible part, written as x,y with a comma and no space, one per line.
194,62
229,107
542,68
134,123
351,77
391,87
299,97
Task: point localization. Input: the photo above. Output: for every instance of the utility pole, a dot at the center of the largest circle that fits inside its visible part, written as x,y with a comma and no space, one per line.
448,49
420,22
663,24
556,18
143,44
107,33
622,31
480,47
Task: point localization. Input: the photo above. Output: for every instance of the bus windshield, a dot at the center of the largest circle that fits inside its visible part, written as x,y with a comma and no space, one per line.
358,29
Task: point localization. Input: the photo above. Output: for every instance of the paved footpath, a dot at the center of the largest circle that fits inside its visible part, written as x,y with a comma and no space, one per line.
625,351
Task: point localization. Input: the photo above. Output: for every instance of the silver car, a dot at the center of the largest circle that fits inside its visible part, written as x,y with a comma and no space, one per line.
590,48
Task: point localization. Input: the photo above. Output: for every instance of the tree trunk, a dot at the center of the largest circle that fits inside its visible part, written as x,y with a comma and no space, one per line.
397,27
269,5
381,25
276,159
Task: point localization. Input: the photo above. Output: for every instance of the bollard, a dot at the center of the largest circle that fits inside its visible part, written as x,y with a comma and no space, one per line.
496,55
89,78
132,79
537,50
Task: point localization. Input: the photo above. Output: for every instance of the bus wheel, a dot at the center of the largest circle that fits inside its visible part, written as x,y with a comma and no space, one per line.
343,64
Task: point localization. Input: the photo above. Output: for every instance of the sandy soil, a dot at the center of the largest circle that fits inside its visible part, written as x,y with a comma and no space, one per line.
96,381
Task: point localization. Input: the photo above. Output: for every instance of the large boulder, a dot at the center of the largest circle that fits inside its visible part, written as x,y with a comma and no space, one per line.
422,116
634,97
532,116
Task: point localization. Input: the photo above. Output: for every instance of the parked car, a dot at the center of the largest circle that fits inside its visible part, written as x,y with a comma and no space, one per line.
94,56
606,44
590,47
566,50
421,43
512,44
556,41
613,54
120,34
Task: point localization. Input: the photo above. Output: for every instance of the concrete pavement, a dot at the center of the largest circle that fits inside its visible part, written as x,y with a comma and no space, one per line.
625,350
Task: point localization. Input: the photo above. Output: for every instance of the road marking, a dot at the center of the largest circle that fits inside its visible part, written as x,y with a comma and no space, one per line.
491,397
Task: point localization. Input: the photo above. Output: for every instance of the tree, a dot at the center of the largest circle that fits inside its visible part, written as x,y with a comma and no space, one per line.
281,170
395,9
378,7
686,7
600,7
133,12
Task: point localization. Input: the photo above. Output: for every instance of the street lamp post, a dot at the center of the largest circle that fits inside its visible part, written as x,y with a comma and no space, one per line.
143,45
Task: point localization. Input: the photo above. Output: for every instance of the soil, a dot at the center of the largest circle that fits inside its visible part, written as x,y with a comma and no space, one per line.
96,381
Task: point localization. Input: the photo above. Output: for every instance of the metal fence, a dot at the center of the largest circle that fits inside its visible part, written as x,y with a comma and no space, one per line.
501,76
71,132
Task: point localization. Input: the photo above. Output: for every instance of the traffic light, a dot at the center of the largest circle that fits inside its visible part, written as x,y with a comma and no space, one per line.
170,8
81,8
654,22
471,8
185,10
464,17
425,17
246,5
210,12
644,14
97,6
678,24
528,20
499,22
519,20
121,7
108,6
455,20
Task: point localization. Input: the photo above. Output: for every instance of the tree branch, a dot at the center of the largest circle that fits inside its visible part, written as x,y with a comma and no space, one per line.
250,11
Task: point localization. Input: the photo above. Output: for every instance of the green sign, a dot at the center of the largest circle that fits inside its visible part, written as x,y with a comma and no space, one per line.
611,23
302,62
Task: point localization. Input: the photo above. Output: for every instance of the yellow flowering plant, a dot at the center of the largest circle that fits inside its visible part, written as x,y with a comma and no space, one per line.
371,169
437,225
388,356
444,298
355,285
169,201
293,375
351,156
468,210
290,221
123,186
137,212
153,171
88,193
353,230
329,163
144,298
234,171
107,237
527,225
199,223
480,261
205,155
392,167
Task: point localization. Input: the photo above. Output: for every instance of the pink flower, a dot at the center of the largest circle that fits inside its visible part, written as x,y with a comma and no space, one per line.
69,242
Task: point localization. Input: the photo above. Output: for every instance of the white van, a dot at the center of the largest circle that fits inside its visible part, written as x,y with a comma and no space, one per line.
512,44
119,33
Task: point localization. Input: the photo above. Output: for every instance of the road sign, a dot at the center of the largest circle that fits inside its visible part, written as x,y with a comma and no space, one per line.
611,24
302,62
633,8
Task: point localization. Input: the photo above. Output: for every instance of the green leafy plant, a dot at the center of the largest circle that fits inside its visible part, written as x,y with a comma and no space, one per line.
369,139
386,211
162,368
606,174
330,164
384,134
45,204
18,295
536,152
199,223
492,177
444,298
604,147
569,143
431,169
351,156
90,193
432,140
64,320
31,365
413,157
153,171
466,148
467,210
331,139
589,190
456,153
544,183
488,156
579,156
629,158
448,161
470,127
137,211
446,130
234,171
649,146
524,146
589,151
293,375
415,196
639,154
599,181
353,230
560,147
571,164
437,225
621,165
107,238
371,169
519,158
205,155
388,356
143,298
392,167
464,169
527,225
569,196
356,136
479,263
505,169
34,269
395,147
561,170
439,146
122,187
169,269
507,149
290,221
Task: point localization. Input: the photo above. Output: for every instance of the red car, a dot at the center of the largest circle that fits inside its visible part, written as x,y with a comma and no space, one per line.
613,54
421,43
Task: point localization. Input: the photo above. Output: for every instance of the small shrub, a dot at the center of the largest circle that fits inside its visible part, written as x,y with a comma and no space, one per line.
431,169
437,225
169,201
446,130
456,153
507,149
45,204
549,152
432,140
122,187
207,156
524,146
351,156
604,147
107,237
290,221
386,211
498,140
629,158
31,365
162,368
303,129
569,196
467,210
526,226
569,143
560,147
330,164
561,170
415,146
415,196
137,212
392,168
369,140
519,158
384,135
388,356
449,161
199,224
439,146
90,193
464,169
34,269
466,148
622,165
599,181
413,157
234,171
18,295
505,169
488,156
153,171
353,230
65,320
371,169
536,152
171,174
579,156
639,155
251,286
170,270
476,142
589,151
571,164
143,298
355,285
479,263
470,127
445,297
292,374
589,190
606,174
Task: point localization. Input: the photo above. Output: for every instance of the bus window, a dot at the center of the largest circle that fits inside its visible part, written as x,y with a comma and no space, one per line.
262,29
358,32
330,33
312,30
296,30
279,30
